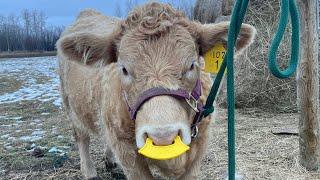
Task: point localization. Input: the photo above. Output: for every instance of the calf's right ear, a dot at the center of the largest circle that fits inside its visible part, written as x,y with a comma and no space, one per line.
91,40
87,48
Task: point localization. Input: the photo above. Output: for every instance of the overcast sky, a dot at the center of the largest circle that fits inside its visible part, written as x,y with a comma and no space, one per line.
63,12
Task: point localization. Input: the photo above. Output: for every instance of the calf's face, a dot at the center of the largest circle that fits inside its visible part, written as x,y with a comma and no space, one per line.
169,60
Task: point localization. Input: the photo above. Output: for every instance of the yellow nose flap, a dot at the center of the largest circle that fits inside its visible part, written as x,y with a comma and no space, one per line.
163,152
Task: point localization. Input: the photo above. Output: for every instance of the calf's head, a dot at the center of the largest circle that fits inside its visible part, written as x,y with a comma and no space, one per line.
157,46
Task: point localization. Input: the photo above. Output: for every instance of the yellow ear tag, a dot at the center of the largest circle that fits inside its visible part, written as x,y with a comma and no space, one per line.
163,152
213,58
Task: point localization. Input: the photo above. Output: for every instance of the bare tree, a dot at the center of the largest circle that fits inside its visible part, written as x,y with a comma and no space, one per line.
27,32
209,11
118,10
186,6
130,4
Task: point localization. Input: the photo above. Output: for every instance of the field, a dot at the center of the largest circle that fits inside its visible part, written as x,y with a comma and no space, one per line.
36,142
21,54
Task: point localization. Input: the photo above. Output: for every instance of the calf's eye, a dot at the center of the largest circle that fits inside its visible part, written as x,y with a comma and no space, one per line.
192,66
124,71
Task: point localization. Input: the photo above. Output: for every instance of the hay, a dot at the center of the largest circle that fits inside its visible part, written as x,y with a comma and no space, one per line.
260,153
255,86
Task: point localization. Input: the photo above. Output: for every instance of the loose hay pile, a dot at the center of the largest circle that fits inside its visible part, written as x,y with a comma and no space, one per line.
260,154
255,86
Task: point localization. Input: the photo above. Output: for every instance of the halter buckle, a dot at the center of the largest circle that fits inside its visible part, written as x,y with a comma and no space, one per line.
194,132
193,102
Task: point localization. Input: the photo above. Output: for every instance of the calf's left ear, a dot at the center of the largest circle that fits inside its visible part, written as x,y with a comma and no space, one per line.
210,34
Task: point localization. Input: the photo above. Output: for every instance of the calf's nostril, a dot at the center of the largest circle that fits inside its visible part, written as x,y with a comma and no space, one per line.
163,139
145,136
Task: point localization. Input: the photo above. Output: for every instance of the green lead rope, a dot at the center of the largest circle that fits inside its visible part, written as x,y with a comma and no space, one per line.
287,5
237,17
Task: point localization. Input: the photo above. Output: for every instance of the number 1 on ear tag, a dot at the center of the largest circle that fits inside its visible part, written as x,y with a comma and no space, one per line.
213,58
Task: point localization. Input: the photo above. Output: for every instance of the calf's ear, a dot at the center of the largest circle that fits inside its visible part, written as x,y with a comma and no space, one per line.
91,40
210,34
87,48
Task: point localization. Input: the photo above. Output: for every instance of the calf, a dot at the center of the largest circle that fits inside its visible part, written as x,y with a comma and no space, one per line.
106,65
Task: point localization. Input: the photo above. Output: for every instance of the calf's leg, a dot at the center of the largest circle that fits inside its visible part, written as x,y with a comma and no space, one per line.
109,158
86,163
194,172
133,165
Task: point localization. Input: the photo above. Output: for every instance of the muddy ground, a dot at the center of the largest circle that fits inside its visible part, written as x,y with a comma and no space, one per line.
36,142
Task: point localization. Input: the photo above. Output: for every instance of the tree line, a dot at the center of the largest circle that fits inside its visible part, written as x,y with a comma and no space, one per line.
186,6
27,32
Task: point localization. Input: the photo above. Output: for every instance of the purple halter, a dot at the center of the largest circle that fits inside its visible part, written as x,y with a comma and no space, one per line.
193,99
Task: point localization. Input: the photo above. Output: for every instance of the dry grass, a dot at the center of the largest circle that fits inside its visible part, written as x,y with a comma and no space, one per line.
260,154
19,162
255,85
9,84
20,54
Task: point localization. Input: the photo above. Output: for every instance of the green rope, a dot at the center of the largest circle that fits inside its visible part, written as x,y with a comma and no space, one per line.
237,17
286,6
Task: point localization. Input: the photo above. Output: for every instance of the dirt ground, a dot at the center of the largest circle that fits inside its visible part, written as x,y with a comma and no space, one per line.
260,153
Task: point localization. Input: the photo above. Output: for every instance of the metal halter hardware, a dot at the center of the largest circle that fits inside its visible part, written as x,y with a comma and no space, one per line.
193,102
192,99
194,131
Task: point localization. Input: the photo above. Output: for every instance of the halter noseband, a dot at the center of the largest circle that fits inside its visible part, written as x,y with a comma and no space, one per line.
192,99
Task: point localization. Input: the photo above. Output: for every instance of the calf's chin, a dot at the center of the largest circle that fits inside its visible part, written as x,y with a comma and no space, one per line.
162,118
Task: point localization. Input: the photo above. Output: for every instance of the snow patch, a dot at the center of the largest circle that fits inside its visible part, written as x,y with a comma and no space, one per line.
37,120
38,133
16,118
55,150
6,136
12,138
6,125
34,146
27,70
10,117
30,138
7,146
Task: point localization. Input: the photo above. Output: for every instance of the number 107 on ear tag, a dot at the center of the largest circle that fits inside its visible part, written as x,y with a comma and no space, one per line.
213,58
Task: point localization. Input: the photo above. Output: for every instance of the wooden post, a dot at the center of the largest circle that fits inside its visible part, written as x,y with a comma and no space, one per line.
308,86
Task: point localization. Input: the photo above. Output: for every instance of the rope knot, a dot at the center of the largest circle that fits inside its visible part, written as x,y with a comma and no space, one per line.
208,111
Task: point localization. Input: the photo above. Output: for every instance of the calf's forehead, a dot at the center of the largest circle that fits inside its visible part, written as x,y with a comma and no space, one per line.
174,47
